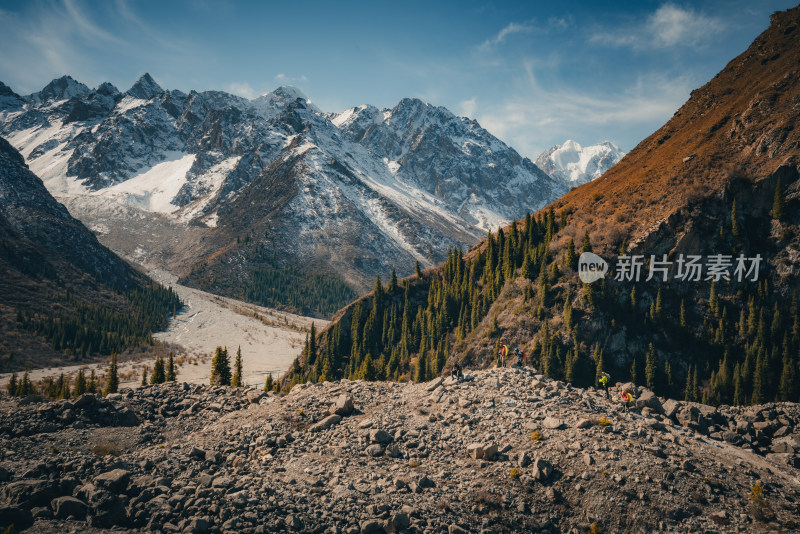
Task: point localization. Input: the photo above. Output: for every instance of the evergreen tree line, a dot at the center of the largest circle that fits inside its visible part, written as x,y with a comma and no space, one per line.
297,290
396,334
64,388
82,329
737,343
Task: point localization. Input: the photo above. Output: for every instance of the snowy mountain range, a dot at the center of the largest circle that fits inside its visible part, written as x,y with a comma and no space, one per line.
210,184
575,165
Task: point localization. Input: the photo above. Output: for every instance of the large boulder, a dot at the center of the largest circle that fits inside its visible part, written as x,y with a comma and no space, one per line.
115,481
29,493
106,510
649,399
64,507
342,406
671,407
542,469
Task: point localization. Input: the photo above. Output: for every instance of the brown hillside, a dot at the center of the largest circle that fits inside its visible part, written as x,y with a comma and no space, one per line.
743,123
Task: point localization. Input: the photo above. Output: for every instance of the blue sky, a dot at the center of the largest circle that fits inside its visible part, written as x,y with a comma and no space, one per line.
532,73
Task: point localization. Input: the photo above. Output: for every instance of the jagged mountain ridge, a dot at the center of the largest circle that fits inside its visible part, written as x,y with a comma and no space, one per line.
345,203
51,265
575,164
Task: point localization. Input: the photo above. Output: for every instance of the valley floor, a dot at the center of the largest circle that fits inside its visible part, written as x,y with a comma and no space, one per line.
270,339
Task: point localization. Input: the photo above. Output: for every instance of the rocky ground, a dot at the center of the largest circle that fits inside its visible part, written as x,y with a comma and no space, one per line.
507,451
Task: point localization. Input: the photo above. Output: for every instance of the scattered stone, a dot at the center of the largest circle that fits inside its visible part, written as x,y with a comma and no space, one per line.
343,406
64,507
542,469
475,451
326,423
115,481
553,423
379,436
375,450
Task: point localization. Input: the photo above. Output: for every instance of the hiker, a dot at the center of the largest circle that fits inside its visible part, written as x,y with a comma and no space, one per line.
457,374
503,352
627,398
520,356
604,379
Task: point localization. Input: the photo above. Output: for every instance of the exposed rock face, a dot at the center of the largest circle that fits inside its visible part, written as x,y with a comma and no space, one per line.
207,459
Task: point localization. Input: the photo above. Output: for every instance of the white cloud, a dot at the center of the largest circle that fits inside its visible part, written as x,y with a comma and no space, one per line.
511,29
533,115
283,79
467,108
669,26
672,25
242,89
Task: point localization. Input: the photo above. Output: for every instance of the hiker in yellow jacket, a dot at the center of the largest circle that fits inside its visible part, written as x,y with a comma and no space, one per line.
503,353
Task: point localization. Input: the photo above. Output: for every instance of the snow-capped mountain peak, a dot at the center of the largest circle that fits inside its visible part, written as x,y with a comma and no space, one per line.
62,88
356,193
272,104
145,88
575,164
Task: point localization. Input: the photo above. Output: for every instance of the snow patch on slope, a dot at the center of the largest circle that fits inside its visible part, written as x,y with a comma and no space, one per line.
154,189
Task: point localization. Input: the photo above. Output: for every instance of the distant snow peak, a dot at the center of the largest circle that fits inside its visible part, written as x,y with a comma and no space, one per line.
145,88
62,88
275,102
575,165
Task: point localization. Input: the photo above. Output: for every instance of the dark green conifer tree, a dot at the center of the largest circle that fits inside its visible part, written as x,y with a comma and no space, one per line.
91,386
367,371
221,368
25,386
144,377
171,377
236,380
11,387
735,230
80,384
651,368
112,378
159,375
268,384
787,390
586,246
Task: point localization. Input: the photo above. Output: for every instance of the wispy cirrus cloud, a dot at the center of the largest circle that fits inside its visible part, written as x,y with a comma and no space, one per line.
85,26
533,114
127,13
669,26
512,29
